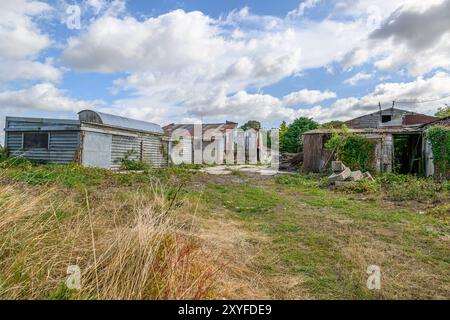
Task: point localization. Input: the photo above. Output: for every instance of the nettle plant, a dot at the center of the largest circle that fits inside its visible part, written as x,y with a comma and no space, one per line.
354,150
439,137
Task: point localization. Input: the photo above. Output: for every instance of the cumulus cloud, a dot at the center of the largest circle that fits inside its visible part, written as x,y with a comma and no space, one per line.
183,58
300,11
416,36
423,95
360,76
306,96
45,97
28,70
20,35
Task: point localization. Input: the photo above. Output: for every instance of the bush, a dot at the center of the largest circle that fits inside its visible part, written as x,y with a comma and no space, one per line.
3,154
128,163
406,187
354,150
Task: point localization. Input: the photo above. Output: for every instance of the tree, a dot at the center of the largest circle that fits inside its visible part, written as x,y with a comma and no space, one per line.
252,124
443,112
335,124
283,129
292,139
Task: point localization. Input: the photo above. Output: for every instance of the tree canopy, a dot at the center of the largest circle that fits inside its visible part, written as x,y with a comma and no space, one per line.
443,112
252,124
291,140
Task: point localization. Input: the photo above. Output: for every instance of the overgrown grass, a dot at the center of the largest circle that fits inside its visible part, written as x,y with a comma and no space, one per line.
407,187
130,242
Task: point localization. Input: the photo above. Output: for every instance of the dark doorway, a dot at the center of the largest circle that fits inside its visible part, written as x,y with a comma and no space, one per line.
408,154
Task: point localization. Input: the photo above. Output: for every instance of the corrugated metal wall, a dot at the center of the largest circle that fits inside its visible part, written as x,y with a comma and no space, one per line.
153,151
63,147
148,148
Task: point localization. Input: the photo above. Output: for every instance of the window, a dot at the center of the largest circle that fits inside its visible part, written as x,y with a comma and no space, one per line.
35,140
385,119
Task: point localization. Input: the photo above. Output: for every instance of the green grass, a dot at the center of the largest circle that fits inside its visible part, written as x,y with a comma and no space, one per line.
310,228
324,236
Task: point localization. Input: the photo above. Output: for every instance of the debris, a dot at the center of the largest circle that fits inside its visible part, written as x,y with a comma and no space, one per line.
338,166
342,176
291,161
368,176
356,176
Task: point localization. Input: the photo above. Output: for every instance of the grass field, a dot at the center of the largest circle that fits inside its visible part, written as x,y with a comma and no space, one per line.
178,234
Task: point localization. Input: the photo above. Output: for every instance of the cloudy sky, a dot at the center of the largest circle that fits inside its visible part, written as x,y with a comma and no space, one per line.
178,61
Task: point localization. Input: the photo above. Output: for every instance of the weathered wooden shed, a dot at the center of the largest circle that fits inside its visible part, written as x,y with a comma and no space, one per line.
95,140
397,135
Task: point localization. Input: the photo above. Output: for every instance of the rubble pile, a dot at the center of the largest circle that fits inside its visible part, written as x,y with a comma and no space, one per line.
291,161
342,174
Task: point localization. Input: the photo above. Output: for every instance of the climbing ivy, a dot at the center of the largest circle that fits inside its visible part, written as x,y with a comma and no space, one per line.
439,137
354,150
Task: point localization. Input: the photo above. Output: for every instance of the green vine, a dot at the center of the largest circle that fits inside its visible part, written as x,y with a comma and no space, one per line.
356,151
439,137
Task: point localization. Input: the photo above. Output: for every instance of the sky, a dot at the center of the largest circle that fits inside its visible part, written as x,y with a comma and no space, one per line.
187,61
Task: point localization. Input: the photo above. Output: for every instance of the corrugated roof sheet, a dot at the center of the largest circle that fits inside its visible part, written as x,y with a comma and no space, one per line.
371,130
119,122
206,126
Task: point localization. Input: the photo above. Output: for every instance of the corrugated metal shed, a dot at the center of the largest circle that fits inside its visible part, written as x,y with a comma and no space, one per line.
96,139
63,139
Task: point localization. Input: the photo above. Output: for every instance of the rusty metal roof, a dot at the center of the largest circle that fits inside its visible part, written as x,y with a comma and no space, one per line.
412,129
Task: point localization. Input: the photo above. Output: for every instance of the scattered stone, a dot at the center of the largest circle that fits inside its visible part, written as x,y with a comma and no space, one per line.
356,176
368,176
340,176
338,166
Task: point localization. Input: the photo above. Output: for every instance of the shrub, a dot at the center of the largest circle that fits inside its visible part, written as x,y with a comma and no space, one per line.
354,150
3,154
439,138
405,187
129,163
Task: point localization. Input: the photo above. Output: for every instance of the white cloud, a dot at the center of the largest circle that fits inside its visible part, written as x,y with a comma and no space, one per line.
45,97
360,76
184,58
28,70
415,36
20,36
408,95
306,96
304,5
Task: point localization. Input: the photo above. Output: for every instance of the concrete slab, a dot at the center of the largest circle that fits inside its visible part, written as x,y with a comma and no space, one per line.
356,176
338,166
340,176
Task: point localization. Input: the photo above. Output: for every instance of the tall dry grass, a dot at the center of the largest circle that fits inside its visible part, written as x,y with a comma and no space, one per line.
129,245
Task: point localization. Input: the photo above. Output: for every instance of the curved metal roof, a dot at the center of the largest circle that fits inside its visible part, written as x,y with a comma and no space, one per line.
119,122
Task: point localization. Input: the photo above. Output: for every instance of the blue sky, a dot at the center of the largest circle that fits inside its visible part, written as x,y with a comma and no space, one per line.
183,61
